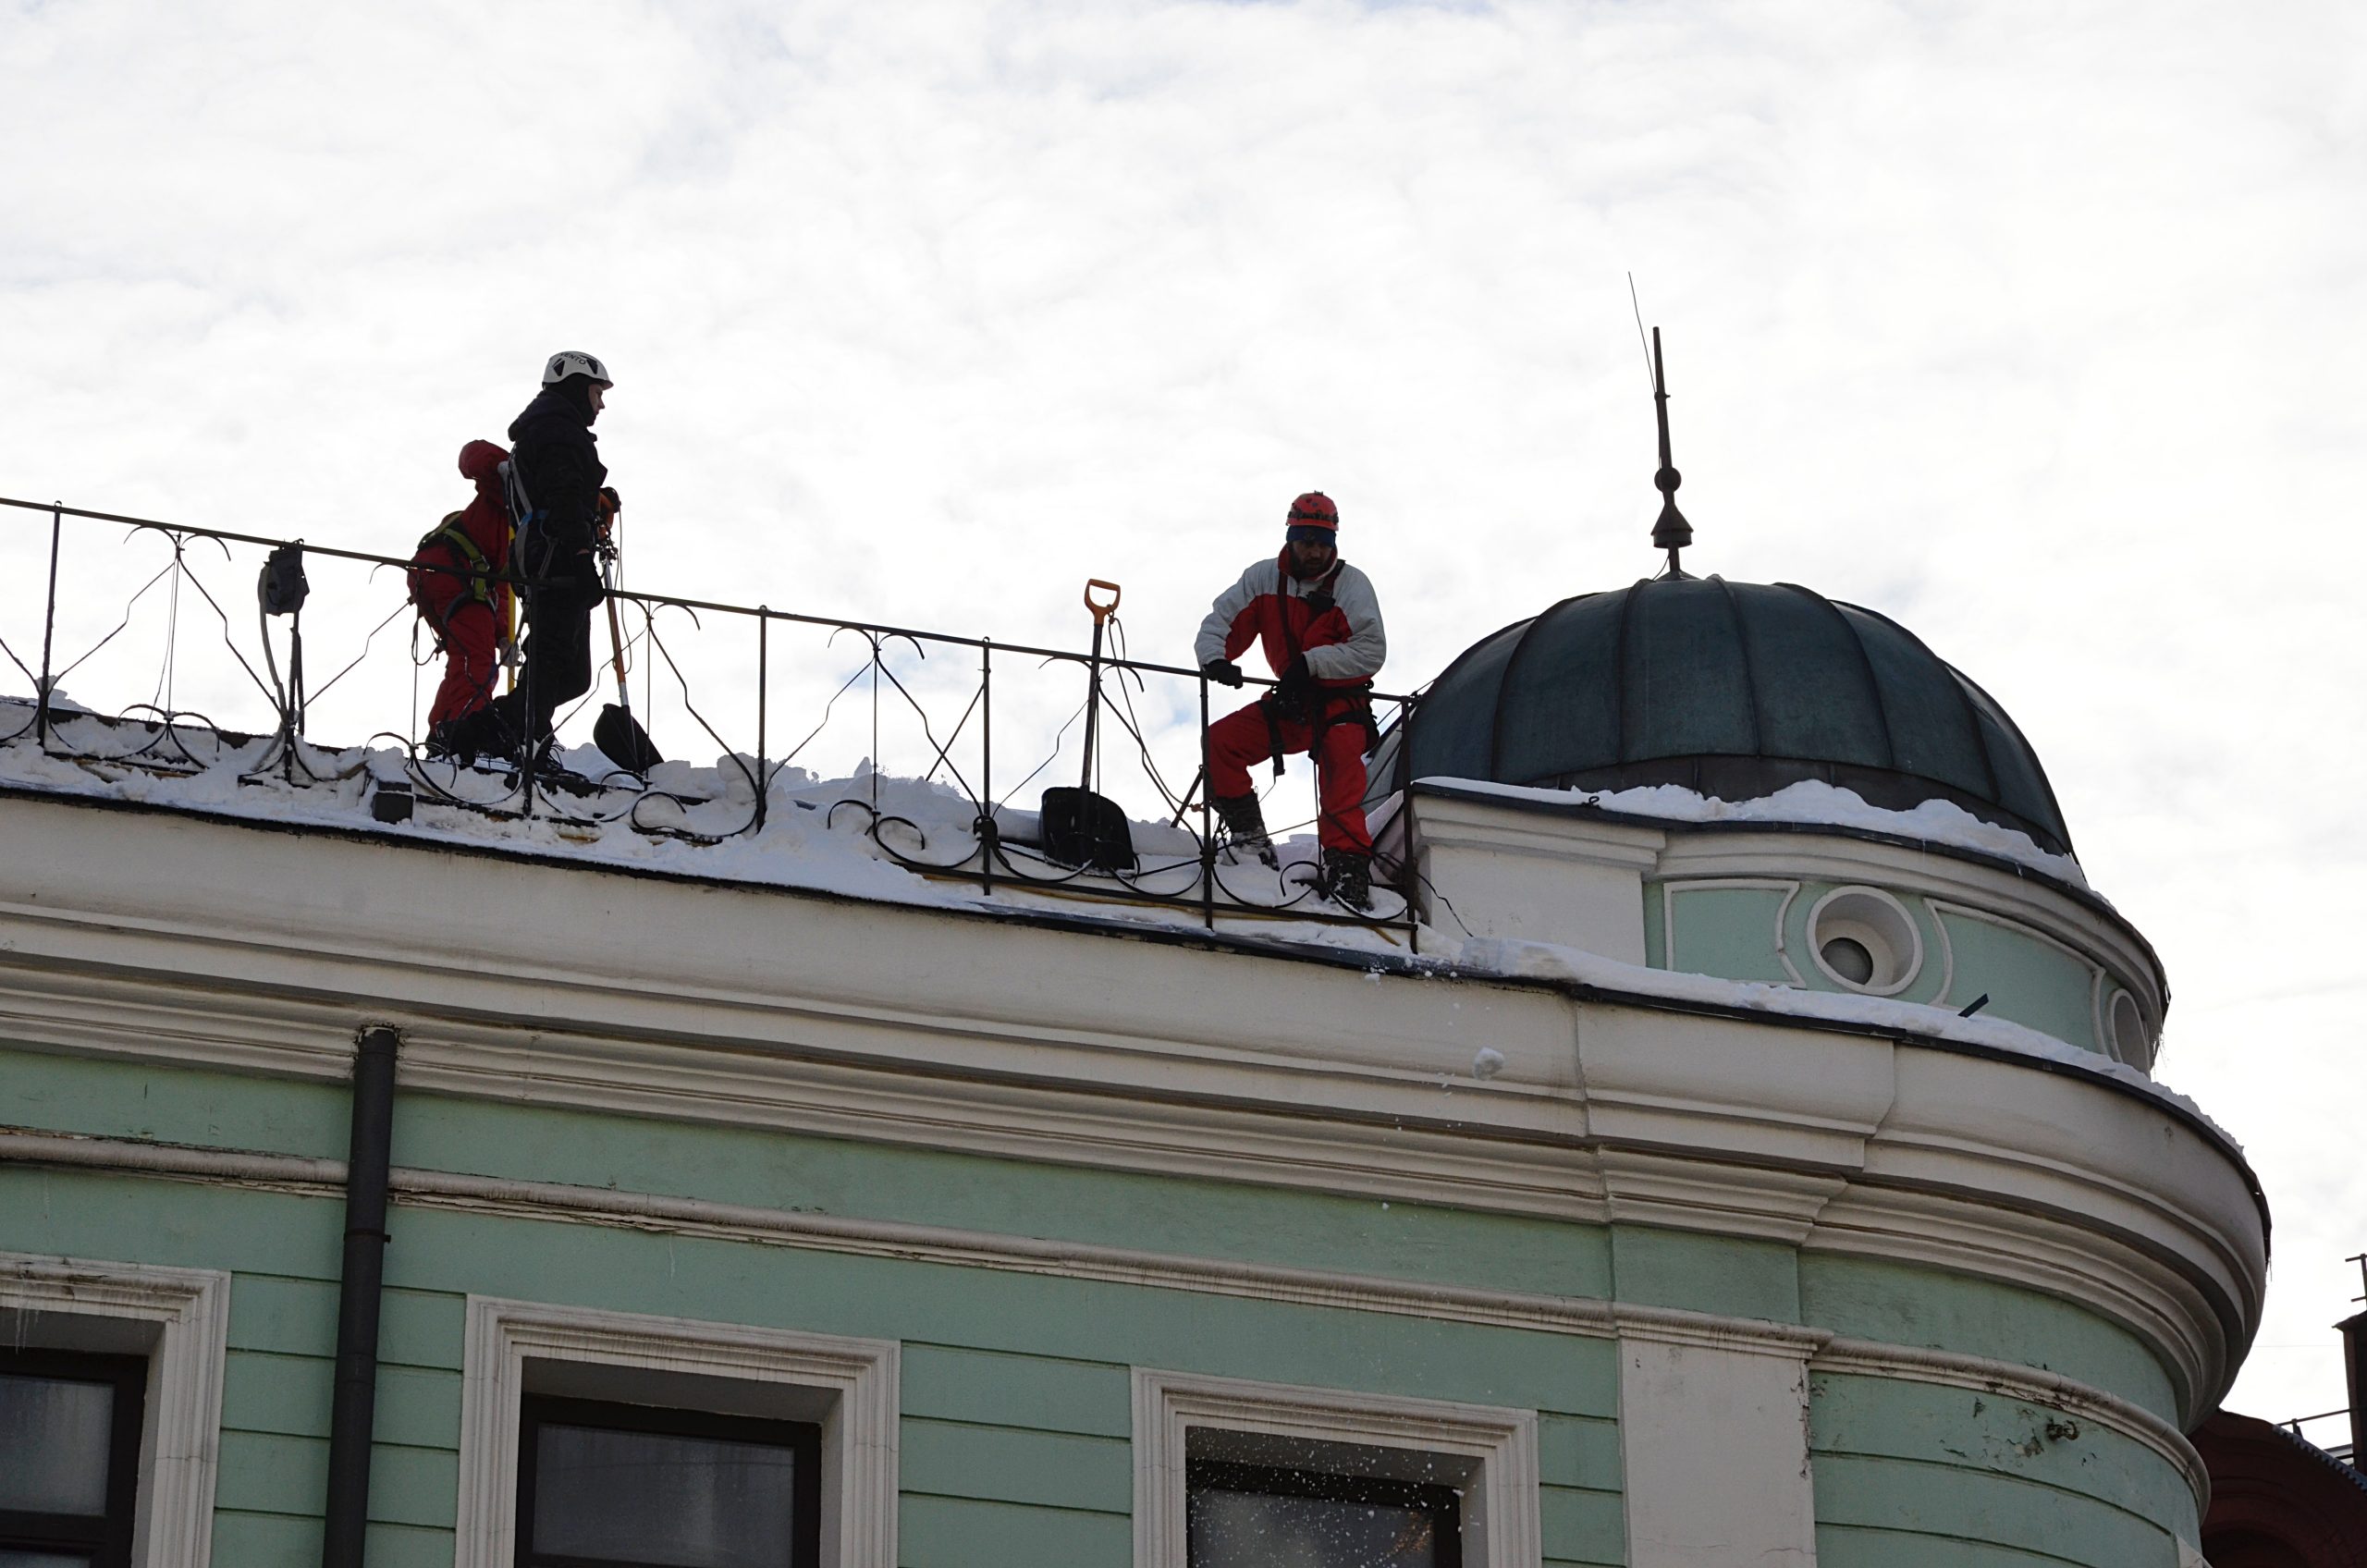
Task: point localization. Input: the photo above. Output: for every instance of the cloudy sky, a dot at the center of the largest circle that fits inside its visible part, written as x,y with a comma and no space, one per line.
2035,327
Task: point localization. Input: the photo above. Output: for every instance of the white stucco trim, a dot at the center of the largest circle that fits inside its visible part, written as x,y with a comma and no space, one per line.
1492,1450
1713,1434
902,1026
1909,964
850,1384
1575,1316
1671,891
2006,896
1783,939
179,1318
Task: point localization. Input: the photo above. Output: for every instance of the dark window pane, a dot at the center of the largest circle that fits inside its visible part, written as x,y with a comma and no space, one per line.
54,1444
1258,1530
661,1499
40,1560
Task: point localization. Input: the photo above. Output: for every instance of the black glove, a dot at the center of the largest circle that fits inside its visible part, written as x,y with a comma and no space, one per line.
1224,672
1297,687
585,572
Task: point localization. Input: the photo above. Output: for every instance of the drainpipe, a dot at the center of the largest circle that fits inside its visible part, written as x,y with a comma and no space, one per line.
2354,1364
355,1402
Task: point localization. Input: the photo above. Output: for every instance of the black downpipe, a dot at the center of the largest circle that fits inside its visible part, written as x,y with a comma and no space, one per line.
2354,1366
355,1402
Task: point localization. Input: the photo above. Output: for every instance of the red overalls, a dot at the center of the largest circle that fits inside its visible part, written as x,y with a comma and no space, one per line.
466,613
1288,617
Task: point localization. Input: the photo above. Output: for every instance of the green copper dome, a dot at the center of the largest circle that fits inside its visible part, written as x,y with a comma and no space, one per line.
1734,689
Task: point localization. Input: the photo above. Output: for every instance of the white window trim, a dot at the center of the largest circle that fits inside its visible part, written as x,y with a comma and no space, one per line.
179,1318
859,1459
1502,1502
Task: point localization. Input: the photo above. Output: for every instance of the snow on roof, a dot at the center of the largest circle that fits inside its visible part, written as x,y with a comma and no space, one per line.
690,820
817,836
1810,803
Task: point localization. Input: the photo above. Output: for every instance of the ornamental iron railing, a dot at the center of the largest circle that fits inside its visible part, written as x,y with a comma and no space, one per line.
129,604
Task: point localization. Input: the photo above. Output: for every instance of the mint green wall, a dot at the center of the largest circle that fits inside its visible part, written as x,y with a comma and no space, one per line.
1016,1415
821,1175
1730,931
282,1252
2029,980
1917,1473
1898,1304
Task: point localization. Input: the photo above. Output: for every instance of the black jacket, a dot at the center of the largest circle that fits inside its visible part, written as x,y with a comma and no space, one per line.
558,457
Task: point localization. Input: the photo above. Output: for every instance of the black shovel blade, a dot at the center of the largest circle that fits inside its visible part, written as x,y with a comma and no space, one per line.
1087,830
624,741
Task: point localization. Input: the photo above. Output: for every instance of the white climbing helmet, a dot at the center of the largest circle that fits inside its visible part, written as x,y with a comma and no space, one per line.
570,362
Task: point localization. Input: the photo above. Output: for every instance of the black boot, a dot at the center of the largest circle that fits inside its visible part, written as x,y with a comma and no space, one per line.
464,740
1347,879
1246,823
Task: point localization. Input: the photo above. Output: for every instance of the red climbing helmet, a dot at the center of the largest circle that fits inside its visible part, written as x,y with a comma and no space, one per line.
1315,513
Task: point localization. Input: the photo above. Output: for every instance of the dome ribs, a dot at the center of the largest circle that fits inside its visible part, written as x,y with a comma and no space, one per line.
1684,685
1989,787
1619,672
1750,673
1877,698
1730,689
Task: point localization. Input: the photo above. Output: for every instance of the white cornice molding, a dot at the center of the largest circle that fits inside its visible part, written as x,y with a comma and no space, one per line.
1463,822
1577,1316
1768,1134
733,1006
181,1319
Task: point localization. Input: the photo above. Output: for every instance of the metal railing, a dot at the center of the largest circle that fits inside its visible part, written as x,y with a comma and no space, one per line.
1183,852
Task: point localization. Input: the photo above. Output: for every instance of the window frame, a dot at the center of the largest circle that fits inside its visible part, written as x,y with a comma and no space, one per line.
178,1322
107,1536
848,1386
803,1439
1330,1486
1490,1452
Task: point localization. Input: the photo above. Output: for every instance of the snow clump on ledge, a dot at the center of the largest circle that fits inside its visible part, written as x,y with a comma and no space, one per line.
1812,802
807,842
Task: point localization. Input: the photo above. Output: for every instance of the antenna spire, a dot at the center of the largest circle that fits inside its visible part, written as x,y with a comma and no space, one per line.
1672,532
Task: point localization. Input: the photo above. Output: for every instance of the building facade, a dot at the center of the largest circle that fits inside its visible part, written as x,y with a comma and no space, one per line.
1669,1213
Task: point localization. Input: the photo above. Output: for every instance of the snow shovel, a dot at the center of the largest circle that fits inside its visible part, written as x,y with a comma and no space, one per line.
1081,828
621,739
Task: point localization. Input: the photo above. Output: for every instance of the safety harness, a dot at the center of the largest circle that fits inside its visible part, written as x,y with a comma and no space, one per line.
473,568
1319,600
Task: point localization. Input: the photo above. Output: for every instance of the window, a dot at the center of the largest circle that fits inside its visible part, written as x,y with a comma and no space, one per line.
167,1328
1864,939
1232,1474
610,1439
70,1458
642,1487
1261,1516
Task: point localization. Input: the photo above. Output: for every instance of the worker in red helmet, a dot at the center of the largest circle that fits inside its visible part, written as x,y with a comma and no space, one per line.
453,580
1316,620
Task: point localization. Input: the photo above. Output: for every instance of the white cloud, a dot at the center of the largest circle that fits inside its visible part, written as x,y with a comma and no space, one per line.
2033,326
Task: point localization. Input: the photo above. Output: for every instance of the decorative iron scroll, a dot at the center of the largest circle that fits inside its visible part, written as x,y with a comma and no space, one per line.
174,613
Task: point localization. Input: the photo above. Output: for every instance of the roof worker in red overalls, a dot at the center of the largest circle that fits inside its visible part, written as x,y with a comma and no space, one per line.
451,582
1320,624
